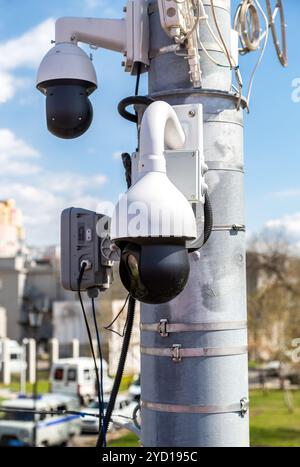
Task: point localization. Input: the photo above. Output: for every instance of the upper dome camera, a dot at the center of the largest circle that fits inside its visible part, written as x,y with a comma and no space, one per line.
67,78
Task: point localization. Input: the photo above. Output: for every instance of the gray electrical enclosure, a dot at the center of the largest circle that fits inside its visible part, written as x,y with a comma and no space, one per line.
82,234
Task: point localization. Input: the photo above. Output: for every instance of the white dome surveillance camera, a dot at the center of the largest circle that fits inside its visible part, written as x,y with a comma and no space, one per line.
153,221
67,78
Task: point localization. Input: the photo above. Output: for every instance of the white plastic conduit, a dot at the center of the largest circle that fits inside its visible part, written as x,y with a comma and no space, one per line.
160,128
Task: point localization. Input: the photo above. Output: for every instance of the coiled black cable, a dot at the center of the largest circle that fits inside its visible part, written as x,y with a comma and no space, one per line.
132,100
209,219
120,371
208,227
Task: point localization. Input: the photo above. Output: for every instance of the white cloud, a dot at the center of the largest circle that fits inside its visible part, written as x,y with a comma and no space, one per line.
92,4
21,168
42,208
25,51
14,155
291,193
7,87
40,194
11,146
117,155
288,226
73,184
105,5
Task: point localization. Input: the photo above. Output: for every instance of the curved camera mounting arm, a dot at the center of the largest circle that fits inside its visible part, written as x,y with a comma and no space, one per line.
160,128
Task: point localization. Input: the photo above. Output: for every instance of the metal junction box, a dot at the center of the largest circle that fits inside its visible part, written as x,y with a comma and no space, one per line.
80,241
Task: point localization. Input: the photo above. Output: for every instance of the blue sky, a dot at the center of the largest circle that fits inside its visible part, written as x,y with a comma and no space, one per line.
45,174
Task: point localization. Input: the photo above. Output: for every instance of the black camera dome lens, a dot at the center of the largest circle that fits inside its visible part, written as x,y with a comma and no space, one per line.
154,274
69,110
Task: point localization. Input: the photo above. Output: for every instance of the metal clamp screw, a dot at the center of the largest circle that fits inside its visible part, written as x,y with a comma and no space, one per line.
244,406
162,328
176,353
238,228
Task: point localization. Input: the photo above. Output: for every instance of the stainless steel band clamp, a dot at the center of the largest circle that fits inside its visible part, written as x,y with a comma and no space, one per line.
235,228
164,327
177,353
241,408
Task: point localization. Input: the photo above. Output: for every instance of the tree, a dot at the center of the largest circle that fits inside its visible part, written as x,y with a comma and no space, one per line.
273,298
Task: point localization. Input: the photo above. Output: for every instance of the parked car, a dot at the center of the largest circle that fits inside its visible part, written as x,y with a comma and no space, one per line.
135,389
17,428
126,413
272,369
90,423
123,408
77,377
17,363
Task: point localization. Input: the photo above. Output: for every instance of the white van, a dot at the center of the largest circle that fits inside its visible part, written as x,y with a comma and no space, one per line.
17,428
17,363
77,377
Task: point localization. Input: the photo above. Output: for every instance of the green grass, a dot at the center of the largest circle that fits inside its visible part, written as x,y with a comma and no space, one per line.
252,364
43,384
271,422
43,387
128,441
126,382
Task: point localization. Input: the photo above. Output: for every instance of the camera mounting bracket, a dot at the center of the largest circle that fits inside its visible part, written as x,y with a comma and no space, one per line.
129,36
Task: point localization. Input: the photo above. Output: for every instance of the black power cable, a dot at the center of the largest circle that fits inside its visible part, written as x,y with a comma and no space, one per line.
79,282
120,371
127,163
138,79
101,404
48,412
208,227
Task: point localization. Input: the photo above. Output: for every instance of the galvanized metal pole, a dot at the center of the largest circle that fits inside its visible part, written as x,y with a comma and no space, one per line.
197,401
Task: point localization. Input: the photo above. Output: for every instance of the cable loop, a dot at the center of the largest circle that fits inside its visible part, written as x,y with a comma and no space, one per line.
281,51
247,24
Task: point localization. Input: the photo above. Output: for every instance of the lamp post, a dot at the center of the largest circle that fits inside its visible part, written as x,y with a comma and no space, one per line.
35,319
